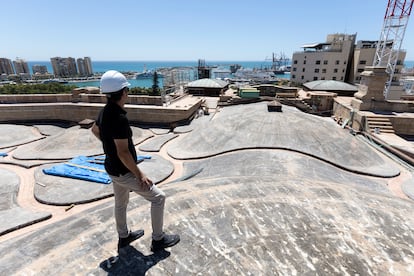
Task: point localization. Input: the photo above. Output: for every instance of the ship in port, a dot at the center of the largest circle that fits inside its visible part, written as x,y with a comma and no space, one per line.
147,74
280,64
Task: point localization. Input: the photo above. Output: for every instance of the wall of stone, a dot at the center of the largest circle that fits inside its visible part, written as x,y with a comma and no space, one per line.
401,125
87,98
36,98
76,112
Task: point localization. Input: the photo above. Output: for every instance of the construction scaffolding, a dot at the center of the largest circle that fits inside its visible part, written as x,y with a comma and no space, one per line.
392,35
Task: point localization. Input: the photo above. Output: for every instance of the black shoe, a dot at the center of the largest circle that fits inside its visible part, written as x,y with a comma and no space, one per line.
166,241
132,236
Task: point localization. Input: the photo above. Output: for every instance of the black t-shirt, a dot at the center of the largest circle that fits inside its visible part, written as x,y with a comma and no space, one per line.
113,124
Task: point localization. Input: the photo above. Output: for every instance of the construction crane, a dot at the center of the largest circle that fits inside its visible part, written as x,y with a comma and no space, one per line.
392,34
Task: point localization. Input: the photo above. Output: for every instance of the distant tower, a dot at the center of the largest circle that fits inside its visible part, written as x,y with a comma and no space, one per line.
392,35
203,70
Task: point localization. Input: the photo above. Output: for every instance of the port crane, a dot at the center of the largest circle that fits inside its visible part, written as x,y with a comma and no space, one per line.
392,34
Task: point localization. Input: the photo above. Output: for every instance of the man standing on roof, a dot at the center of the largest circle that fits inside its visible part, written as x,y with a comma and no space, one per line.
113,129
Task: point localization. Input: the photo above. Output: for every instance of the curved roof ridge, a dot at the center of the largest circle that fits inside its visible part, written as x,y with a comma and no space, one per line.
212,83
330,85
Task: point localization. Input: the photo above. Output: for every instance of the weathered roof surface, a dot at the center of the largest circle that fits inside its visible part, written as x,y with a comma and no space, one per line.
208,83
330,85
255,192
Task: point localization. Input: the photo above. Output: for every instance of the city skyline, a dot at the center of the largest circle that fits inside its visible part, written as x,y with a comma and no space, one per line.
187,30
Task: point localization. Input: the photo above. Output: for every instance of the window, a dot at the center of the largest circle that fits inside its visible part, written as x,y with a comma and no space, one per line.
294,69
325,62
293,76
316,70
315,78
337,62
318,62
302,77
304,62
295,62
362,62
324,71
303,69
333,78
335,70
323,78
360,70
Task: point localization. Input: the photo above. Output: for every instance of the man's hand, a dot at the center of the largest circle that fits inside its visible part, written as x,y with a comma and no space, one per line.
146,181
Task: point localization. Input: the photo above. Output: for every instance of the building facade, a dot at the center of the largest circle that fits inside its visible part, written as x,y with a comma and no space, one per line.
364,55
339,58
64,67
88,66
6,67
84,67
39,69
330,60
21,67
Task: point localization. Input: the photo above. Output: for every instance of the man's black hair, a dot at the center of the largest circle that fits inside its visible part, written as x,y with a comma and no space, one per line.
115,96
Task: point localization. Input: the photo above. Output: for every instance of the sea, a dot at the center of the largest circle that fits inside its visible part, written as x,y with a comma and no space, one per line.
141,66
100,67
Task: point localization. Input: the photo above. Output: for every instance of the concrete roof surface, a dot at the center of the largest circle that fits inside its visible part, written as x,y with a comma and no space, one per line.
249,191
330,85
208,83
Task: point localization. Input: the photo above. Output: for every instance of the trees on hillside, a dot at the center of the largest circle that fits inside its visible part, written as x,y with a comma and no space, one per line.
40,88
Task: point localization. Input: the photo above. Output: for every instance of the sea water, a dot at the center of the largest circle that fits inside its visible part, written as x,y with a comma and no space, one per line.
141,66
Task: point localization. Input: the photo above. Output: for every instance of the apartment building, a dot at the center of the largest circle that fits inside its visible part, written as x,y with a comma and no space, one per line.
364,55
84,67
6,67
21,67
39,69
64,67
330,60
339,58
22,70
88,66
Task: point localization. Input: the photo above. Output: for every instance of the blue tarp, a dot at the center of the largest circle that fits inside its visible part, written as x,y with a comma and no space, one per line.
3,154
85,168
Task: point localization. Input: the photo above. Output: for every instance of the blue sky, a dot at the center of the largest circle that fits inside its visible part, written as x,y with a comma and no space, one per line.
172,30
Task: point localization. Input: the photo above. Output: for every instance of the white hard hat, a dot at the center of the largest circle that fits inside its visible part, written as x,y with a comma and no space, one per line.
113,81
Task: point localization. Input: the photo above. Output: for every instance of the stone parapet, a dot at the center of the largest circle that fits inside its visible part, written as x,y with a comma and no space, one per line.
75,112
75,97
35,98
400,114
371,88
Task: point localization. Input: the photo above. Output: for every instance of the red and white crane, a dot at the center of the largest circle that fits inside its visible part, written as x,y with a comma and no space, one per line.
392,34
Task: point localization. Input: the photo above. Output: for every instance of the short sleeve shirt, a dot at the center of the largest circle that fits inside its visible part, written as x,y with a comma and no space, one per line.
113,124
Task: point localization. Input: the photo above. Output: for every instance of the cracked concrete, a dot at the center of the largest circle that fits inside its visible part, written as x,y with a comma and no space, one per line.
249,191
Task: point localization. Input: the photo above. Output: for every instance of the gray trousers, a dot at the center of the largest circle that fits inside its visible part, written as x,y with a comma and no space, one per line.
122,186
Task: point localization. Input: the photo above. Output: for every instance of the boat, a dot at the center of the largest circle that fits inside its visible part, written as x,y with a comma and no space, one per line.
280,64
147,74
54,81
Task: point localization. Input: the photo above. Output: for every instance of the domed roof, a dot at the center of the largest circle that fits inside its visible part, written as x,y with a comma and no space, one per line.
208,83
330,85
